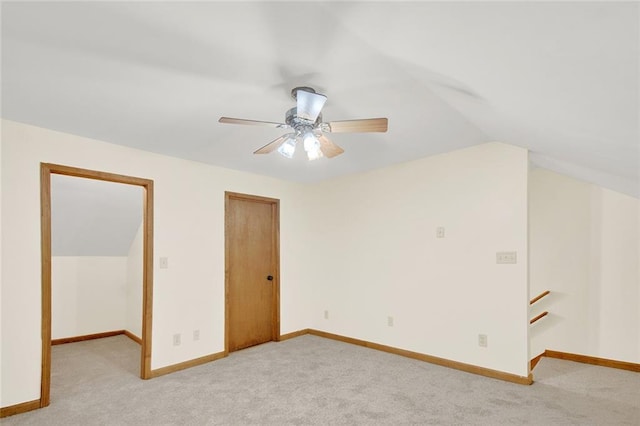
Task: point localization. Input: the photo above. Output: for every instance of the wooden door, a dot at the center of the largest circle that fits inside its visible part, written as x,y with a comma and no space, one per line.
251,266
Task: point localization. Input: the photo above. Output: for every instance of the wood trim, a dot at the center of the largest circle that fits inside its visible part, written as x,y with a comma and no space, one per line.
586,359
293,335
45,265
20,408
430,359
249,197
59,169
275,206
227,244
82,338
534,361
187,364
132,336
538,297
147,281
538,317
275,203
46,169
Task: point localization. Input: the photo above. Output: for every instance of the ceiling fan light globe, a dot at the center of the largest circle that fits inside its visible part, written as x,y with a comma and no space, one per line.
310,141
311,145
314,154
288,148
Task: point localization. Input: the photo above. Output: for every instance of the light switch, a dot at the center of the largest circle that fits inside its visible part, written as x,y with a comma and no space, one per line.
506,257
164,262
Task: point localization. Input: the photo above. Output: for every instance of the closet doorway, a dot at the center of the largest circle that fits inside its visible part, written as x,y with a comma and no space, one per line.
146,236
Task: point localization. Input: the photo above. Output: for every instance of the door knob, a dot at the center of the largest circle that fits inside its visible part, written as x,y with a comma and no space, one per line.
270,277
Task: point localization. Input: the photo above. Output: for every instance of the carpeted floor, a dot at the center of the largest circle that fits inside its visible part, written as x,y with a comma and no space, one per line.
312,380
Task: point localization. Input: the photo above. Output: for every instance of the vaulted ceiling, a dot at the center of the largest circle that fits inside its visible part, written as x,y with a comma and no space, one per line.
558,78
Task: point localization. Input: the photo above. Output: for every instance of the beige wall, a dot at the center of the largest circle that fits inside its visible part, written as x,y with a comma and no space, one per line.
87,295
189,229
95,294
377,256
584,247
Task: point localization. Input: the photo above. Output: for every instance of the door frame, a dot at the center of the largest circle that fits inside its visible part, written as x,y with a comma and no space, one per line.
275,208
46,170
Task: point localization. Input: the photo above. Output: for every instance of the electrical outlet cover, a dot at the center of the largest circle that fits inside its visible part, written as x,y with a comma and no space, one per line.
482,340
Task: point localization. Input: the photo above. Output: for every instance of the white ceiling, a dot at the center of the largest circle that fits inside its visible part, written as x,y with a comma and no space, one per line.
559,78
92,217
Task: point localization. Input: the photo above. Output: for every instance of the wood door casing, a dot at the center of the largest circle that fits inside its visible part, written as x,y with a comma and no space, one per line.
46,170
251,256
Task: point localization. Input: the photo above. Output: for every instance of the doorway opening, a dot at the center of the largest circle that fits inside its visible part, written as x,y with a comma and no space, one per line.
46,170
252,270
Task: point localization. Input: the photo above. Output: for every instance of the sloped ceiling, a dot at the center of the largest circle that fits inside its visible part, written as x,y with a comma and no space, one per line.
93,218
559,78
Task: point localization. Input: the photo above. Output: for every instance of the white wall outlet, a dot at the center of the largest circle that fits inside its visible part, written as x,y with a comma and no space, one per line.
482,340
196,335
390,321
176,339
507,257
164,262
440,232
326,314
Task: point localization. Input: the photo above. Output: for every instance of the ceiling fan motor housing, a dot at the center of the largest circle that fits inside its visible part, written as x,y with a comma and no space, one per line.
299,124
294,91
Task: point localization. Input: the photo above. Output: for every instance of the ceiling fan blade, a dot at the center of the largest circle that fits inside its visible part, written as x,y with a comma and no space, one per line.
309,104
273,145
229,120
328,148
358,126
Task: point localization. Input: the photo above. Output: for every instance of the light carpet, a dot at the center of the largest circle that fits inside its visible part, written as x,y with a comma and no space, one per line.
310,380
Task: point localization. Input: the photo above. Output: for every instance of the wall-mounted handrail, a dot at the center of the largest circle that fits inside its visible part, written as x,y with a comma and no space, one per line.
536,318
538,297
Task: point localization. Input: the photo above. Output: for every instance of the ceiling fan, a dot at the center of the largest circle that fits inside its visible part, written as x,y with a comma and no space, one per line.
305,119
